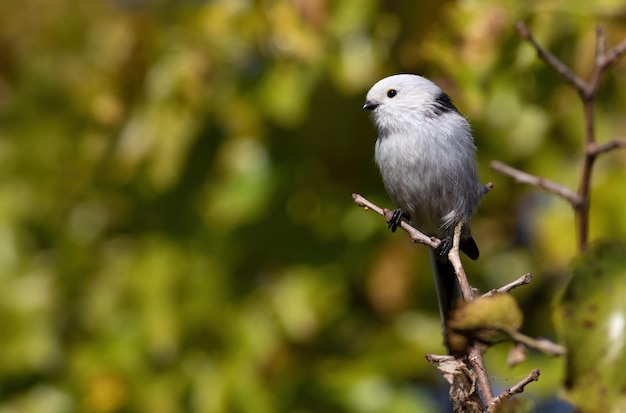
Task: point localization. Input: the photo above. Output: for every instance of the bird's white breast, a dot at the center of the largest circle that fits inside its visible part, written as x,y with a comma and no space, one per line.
427,171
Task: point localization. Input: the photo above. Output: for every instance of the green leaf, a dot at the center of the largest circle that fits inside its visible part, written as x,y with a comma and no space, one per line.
591,319
487,319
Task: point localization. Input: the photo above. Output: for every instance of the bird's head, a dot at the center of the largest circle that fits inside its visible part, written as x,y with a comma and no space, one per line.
400,102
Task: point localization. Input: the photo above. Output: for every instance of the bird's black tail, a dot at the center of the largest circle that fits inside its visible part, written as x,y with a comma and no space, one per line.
447,288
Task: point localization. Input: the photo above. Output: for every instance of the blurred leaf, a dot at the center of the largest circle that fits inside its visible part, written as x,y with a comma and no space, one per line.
591,319
487,319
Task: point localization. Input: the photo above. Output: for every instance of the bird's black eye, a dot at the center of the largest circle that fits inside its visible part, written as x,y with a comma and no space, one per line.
391,93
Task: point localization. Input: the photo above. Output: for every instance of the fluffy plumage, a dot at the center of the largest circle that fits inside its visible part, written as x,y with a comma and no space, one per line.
426,156
425,153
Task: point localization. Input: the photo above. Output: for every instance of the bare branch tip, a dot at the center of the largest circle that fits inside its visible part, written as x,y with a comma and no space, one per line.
535,374
495,164
518,388
522,29
599,30
523,280
359,200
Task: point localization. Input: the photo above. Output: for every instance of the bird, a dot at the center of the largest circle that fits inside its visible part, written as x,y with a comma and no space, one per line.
426,156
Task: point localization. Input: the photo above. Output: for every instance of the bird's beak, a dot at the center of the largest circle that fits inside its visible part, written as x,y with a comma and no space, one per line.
369,105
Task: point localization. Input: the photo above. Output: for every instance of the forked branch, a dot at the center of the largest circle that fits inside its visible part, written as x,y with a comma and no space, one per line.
587,90
453,368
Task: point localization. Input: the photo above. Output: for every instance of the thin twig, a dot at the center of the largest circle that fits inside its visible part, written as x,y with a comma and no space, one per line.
600,44
596,150
487,187
455,258
523,280
584,187
475,356
508,393
548,185
612,55
567,73
475,359
416,236
541,344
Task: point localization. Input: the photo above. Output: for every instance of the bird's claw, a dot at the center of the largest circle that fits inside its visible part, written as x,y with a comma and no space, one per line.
444,247
395,220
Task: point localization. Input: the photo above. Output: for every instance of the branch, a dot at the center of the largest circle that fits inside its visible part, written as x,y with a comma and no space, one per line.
595,150
541,344
550,186
508,393
455,258
475,359
475,356
611,56
600,44
568,74
416,236
524,279
487,187
587,91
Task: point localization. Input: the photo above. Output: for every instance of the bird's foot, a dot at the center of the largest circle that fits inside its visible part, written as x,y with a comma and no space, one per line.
444,248
396,219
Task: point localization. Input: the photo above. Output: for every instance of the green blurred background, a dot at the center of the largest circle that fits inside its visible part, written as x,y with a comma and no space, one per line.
176,227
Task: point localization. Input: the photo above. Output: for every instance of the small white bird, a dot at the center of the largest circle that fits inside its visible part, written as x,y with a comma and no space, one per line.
426,156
